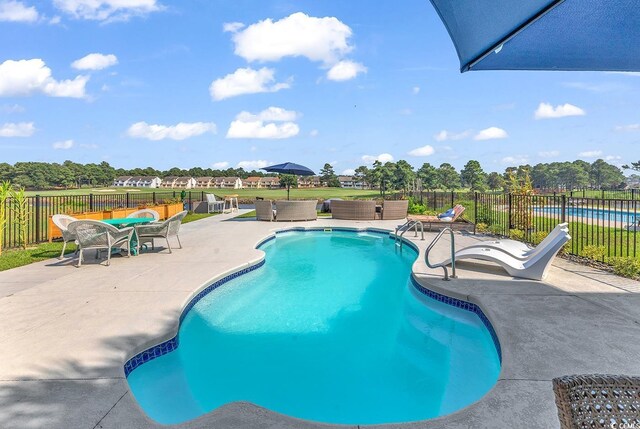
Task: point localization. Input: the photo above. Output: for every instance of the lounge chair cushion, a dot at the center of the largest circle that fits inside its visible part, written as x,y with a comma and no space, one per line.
448,214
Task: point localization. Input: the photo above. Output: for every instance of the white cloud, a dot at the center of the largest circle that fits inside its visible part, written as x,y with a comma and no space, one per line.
55,20
260,130
264,125
220,165
422,151
549,154
63,145
232,27
491,133
319,39
383,157
25,77
445,135
89,146
22,129
627,128
515,160
416,90
181,131
590,154
314,133
95,62
107,10
345,70
271,114
348,172
252,165
547,111
16,11
612,158
246,81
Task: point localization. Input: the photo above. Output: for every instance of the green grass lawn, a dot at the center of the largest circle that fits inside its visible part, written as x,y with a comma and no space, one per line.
192,217
18,257
243,194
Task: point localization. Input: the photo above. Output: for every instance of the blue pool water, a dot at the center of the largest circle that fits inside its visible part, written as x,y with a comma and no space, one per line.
585,212
329,329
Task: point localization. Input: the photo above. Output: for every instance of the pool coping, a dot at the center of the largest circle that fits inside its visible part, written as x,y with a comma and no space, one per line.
169,342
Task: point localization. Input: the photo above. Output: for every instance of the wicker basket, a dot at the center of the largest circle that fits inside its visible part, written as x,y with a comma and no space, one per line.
598,401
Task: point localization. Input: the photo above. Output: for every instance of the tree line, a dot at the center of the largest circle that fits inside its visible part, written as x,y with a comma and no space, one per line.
401,176
44,175
389,176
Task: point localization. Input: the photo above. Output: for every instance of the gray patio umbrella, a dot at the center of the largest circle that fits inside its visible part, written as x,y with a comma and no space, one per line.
290,168
543,34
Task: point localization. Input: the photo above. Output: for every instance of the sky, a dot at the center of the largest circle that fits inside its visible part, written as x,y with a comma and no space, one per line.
249,83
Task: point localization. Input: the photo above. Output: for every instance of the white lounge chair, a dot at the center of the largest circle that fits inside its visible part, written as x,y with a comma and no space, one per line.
214,205
62,222
93,234
145,213
534,267
518,249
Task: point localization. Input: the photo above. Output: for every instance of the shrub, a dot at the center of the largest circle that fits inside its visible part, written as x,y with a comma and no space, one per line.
538,236
516,234
415,207
482,227
625,267
496,229
594,252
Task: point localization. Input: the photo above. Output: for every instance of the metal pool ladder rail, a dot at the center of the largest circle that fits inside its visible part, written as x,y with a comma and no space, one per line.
453,254
402,229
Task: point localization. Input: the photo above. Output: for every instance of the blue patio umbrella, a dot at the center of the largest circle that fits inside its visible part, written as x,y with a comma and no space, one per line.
290,168
599,35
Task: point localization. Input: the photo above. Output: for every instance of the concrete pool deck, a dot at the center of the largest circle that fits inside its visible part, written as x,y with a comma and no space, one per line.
66,332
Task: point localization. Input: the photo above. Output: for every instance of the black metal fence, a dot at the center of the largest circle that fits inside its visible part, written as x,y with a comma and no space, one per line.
41,207
612,225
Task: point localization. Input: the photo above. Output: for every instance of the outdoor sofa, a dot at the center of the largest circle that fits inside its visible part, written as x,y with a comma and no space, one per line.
353,209
394,209
287,210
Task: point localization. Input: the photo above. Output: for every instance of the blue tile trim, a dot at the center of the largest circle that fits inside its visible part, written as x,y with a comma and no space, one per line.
464,305
172,344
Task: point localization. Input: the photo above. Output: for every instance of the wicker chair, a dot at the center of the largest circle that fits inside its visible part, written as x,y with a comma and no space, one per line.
393,210
353,210
597,401
62,222
296,210
145,213
264,210
93,234
166,229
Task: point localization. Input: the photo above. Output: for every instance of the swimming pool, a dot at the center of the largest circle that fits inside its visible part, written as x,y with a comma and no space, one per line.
329,329
592,213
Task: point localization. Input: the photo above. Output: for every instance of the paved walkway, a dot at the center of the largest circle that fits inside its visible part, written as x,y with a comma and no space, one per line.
66,332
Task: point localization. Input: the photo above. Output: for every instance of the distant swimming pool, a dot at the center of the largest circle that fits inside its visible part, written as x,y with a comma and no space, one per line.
329,329
585,212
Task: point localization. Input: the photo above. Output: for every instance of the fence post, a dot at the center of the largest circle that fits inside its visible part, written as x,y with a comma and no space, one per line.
91,202
38,222
154,198
602,193
190,202
475,211
564,209
633,193
510,212
126,200
452,198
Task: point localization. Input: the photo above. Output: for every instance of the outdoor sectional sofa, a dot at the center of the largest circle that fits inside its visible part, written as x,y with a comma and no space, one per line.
286,210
